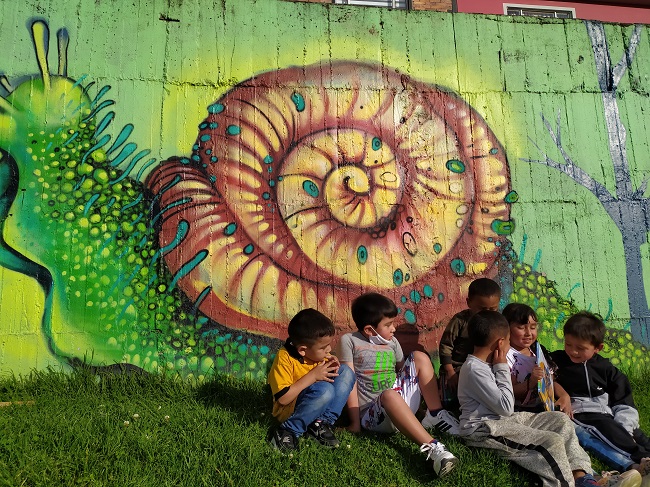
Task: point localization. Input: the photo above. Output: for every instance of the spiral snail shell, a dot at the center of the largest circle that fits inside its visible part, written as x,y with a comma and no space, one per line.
308,186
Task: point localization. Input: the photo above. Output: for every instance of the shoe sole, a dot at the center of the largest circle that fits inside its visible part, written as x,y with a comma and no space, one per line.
447,466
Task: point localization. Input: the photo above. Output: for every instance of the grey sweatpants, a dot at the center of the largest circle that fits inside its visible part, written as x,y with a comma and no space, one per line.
544,443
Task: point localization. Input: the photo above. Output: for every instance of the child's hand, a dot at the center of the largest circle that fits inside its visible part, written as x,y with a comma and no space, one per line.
452,381
563,404
333,361
537,373
325,371
499,356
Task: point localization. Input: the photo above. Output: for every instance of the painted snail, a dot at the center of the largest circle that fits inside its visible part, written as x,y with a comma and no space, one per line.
308,186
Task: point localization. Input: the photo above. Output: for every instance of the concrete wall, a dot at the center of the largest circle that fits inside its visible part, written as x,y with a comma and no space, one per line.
178,179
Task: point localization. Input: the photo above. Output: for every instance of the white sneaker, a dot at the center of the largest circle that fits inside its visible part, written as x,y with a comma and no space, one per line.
443,460
443,422
631,478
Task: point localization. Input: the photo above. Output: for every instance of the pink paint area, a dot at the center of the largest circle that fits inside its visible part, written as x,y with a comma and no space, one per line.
605,13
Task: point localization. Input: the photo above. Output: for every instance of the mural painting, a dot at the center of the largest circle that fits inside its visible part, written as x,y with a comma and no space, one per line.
306,186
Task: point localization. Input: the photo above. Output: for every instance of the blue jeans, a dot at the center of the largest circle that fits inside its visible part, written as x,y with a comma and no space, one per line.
607,454
322,400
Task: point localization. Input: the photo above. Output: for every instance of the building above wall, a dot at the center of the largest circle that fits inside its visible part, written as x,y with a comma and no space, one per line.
619,11
438,5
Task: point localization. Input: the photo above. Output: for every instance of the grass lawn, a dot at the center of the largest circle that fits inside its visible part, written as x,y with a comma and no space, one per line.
137,430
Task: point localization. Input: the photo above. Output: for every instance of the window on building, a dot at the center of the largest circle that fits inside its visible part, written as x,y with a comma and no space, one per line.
403,4
537,11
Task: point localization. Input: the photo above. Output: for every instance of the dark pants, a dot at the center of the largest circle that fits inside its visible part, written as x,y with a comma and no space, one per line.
615,433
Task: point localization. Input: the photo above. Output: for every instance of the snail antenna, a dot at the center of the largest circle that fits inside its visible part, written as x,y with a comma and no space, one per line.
40,35
63,40
4,82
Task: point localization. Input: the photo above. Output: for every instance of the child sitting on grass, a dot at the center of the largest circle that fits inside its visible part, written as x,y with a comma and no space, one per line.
525,372
601,395
483,293
384,400
544,443
523,361
309,385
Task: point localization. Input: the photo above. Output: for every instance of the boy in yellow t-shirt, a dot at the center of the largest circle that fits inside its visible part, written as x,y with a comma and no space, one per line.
309,386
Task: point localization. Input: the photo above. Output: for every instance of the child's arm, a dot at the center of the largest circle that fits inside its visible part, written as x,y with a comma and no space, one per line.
353,406
326,371
493,390
562,399
521,389
445,349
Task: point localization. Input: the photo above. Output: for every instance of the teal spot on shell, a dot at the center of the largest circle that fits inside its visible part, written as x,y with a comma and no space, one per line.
248,250
310,188
458,267
441,297
501,227
376,143
437,248
196,158
204,125
456,166
270,170
268,160
409,316
428,291
266,195
214,159
233,130
416,297
298,101
398,277
407,277
195,147
185,160
403,299
271,183
213,125
215,108
494,150
511,197
213,178
242,349
264,349
205,137
362,254
208,151
230,229
280,178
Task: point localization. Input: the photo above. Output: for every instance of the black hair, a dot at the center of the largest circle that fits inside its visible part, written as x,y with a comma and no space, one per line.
371,308
485,325
483,287
519,313
308,326
586,326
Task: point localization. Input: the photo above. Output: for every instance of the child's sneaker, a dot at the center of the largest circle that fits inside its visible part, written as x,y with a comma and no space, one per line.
322,432
284,440
443,421
641,438
443,460
631,478
586,481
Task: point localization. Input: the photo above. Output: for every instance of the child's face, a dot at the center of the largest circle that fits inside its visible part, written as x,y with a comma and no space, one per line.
386,328
580,350
523,335
481,303
317,351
